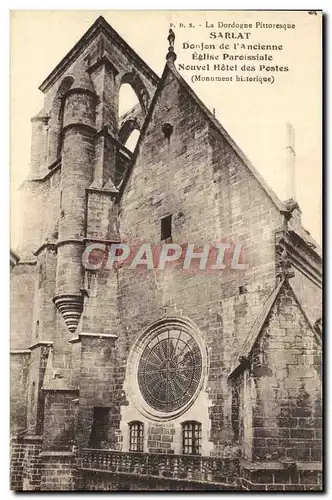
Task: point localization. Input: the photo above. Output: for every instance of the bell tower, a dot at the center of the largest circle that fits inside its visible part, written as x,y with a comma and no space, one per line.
78,162
77,158
86,135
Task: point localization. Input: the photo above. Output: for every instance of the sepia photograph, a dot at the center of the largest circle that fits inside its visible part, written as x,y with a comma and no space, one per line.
166,251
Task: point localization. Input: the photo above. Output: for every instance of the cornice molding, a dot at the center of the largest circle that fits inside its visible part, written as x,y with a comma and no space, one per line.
69,242
83,126
107,192
27,262
101,241
20,351
52,454
111,336
41,343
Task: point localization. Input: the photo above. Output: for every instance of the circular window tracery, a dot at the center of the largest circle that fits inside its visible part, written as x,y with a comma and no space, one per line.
167,364
169,370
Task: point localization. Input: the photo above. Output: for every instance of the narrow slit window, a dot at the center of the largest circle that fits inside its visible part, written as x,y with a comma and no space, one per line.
166,228
191,438
136,436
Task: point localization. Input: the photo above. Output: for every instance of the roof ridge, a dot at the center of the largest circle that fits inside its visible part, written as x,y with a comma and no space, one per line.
260,319
258,323
171,67
256,327
100,25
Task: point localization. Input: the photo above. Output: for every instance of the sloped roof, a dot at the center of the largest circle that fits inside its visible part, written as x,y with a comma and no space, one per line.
99,26
53,380
245,350
169,67
308,239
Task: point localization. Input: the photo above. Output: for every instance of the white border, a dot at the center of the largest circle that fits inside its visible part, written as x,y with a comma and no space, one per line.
4,179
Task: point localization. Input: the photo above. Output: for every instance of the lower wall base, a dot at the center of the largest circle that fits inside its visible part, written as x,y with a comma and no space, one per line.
105,481
26,464
59,471
33,470
273,477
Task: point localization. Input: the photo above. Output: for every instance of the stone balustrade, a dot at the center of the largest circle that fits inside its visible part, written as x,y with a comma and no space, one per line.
168,466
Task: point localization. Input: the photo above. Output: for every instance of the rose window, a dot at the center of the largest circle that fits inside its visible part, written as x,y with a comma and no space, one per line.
169,370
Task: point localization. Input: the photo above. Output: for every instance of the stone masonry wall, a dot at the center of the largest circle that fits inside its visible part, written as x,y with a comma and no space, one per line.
286,386
44,309
26,464
16,465
39,126
160,438
213,197
59,420
58,471
19,370
35,394
22,283
197,177
309,294
100,386
32,464
279,478
123,64
116,482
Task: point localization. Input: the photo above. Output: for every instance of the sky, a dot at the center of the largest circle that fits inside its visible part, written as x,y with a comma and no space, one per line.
254,114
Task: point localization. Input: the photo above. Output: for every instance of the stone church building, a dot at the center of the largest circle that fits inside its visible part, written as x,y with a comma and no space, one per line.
157,379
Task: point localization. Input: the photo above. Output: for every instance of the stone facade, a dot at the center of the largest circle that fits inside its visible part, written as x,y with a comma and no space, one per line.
78,334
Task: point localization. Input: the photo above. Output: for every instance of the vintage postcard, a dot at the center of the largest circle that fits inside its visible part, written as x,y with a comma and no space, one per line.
166,264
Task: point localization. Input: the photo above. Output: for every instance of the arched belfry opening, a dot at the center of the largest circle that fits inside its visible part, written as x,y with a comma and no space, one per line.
56,121
133,80
133,103
128,99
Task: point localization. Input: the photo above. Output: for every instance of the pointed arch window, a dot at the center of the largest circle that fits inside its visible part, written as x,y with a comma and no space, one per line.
136,436
191,437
